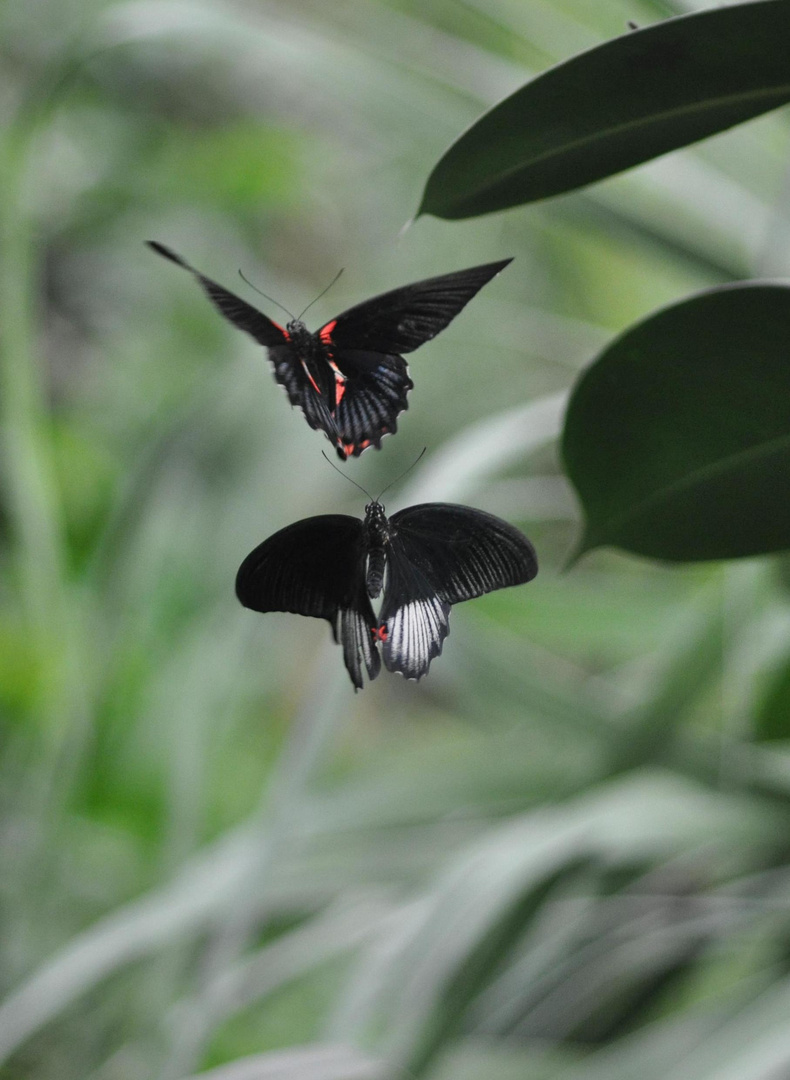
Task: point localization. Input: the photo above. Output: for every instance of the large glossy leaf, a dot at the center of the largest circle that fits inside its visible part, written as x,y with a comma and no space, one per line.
677,438
624,102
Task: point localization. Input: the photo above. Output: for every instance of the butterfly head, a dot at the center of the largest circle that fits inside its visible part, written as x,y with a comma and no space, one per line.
297,330
375,515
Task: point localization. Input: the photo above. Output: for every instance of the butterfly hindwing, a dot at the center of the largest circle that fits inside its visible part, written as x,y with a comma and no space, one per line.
316,567
291,375
402,320
415,618
374,393
440,554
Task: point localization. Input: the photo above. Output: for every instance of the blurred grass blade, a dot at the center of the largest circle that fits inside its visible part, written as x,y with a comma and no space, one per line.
485,448
752,1044
642,816
677,438
301,1063
772,719
620,104
755,1045
328,934
652,1053
136,930
484,1059
675,680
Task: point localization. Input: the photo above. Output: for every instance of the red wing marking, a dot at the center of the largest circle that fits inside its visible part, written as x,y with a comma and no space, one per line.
379,632
285,333
326,332
310,377
349,447
340,382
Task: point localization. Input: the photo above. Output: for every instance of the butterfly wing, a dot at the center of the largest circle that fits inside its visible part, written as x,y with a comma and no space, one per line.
402,320
439,555
374,391
464,552
414,620
288,371
316,567
235,310
364,345
292,375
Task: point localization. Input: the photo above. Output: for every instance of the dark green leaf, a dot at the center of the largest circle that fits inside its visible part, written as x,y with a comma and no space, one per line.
678,437
619,104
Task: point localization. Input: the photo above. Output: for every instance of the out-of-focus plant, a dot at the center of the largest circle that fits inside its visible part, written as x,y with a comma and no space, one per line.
564,854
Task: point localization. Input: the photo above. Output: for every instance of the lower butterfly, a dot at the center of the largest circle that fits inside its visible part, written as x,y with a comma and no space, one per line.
425,559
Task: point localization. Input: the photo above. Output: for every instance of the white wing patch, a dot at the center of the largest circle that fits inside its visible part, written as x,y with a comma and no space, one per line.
415,633
351,630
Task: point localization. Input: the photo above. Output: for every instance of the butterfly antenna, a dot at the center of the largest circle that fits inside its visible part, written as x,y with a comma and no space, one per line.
397,478
356,485
326,290
266,295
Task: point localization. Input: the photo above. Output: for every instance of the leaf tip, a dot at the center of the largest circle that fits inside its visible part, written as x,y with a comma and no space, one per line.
424,207
585,544
429,202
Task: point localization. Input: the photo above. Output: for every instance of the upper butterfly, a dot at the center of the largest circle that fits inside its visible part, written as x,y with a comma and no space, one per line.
433,555
349,378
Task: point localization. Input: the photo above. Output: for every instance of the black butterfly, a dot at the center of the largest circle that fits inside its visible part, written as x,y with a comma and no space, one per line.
434,555
349,377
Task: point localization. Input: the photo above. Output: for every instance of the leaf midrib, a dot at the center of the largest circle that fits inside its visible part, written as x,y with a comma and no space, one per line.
608,532
597,136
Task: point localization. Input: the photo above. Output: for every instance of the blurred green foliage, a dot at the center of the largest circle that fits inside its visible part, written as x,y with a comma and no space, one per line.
563,854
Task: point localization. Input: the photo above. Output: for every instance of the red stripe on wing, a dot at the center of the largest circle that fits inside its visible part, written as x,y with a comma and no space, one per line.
310,377
325,333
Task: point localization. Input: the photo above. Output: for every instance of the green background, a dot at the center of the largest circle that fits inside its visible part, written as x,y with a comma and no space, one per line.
564,853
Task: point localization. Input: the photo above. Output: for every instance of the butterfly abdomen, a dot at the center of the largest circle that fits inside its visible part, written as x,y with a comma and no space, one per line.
377,562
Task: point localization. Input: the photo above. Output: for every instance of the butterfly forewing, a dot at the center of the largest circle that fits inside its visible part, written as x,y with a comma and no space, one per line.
402,320
317,567
440,554
235,310
463,552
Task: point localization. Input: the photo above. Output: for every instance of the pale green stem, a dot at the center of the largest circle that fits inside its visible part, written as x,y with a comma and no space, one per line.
30,489
36,545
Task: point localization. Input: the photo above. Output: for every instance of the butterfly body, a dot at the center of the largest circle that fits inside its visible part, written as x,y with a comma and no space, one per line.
424,559
377,539
350,377
314,354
